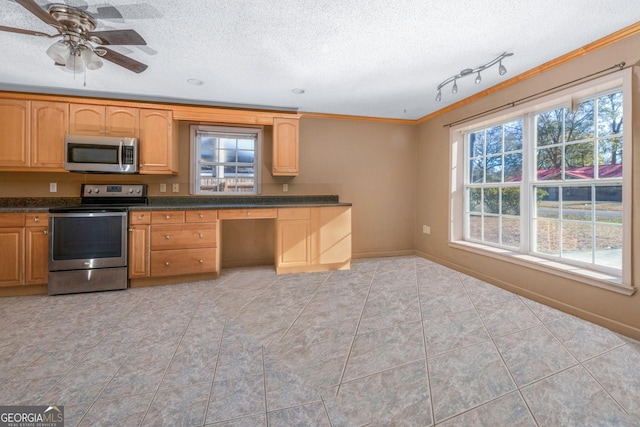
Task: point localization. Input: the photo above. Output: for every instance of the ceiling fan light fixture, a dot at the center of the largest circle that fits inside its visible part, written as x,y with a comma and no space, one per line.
90,59
75,62
59,52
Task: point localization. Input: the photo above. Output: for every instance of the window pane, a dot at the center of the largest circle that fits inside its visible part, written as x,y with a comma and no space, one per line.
245,156
513,167
208,151
511,232
579,124
494,169
477,170
475,200
609,204
476,144
494,140
513,136
609,245
549,127
547,237
491,200
579,161
549,161
492,229
576,203
547,202
475,227
511,201
610,158
246,144
610,114
577,241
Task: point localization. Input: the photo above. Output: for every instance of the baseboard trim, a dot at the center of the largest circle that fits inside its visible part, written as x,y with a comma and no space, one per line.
385,254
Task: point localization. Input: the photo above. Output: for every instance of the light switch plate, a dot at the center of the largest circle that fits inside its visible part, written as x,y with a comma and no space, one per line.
163,188
176,188
53,187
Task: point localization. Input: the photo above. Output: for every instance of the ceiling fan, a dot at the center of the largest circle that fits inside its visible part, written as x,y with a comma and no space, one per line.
76,50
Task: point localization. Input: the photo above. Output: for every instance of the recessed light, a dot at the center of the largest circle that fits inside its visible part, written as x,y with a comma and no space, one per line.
195,82
297,91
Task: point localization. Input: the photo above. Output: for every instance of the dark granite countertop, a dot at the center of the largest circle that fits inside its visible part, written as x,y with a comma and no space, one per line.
28,204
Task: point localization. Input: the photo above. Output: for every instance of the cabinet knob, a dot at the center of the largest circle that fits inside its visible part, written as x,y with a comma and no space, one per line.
200,235
166,263
140,216
201,216
248,213
167,236
36,219
168,217
201,261
45,232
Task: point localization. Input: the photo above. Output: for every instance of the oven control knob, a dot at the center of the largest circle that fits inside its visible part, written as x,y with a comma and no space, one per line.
138,191
96,190
131,190
89,190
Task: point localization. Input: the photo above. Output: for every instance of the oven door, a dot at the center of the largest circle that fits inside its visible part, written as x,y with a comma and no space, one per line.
87,240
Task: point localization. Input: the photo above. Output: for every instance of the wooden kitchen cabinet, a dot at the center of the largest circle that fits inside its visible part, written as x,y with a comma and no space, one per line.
139,249
103,120
293,240
158,142
36,248
285,147
49,124
183,242
25,244
313,239
14,137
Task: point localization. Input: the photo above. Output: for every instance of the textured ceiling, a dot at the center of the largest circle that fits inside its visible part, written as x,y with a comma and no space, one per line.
380,58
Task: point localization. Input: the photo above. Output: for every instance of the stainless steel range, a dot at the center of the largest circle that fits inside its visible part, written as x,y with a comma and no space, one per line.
88,243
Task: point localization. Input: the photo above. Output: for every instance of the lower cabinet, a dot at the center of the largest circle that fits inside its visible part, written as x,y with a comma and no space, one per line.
25,246
313,239
172,243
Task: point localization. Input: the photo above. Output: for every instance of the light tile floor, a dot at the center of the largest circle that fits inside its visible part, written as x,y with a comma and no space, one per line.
393,341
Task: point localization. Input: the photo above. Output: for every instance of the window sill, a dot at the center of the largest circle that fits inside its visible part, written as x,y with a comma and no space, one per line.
593,278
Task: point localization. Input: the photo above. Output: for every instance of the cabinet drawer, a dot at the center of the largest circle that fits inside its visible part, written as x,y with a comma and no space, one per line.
186,261
12,220
167,217
183,236
294,213
139,217
36,219
201,216
247,213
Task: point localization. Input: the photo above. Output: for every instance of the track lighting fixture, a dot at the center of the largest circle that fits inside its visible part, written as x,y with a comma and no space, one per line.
502,70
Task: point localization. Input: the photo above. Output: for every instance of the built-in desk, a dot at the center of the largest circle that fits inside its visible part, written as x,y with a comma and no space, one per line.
181,242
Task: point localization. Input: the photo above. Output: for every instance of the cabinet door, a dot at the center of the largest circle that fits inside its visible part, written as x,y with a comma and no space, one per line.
11,261
293,243
285,147
139,251
334,236
14,133
36,255
122,121
49,124
158,142
86,119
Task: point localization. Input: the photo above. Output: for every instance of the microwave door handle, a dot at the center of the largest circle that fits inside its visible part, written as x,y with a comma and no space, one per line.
120,154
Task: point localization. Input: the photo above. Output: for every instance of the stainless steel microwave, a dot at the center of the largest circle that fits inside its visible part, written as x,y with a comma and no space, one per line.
100,154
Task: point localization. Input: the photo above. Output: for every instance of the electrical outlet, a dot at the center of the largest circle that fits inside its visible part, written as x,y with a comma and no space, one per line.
163,188
426,229
176,188
285,188
53,187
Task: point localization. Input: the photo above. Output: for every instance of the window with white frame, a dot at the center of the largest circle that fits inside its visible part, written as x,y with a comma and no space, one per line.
225,160
548,182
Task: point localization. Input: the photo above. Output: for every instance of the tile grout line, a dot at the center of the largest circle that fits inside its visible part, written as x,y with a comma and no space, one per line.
355,335
215,370
424,346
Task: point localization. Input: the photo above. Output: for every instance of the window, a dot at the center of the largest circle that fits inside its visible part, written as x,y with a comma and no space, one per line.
225,160
546,184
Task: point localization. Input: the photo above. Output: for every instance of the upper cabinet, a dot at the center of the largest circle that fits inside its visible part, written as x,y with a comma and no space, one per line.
32,134
285,147
86,119
49,123
158,142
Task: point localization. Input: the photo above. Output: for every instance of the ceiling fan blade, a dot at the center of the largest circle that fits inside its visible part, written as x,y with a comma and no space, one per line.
33,7
108,12
21,31
122,60
121,37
